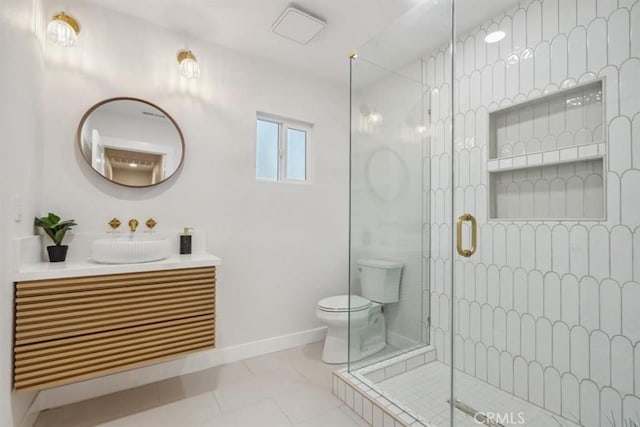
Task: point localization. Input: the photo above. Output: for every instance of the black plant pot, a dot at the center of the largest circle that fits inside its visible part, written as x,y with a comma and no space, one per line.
57,253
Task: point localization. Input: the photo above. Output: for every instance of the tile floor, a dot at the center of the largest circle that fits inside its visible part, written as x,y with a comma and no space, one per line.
287,388
426,390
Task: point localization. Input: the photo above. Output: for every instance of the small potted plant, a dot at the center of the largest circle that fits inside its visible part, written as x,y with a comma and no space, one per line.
55,229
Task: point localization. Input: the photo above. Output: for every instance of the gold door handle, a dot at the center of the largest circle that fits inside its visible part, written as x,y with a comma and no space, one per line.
474,235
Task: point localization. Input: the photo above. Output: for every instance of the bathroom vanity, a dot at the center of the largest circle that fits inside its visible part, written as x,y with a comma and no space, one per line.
84,320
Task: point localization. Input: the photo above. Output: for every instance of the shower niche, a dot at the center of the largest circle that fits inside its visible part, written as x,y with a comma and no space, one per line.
546,156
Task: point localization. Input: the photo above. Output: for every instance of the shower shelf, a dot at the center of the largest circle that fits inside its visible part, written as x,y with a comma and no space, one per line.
558,172
562,119
545,158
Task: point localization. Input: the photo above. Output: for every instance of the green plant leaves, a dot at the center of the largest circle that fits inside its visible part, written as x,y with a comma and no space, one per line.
53,218
53,227
59,235
69,222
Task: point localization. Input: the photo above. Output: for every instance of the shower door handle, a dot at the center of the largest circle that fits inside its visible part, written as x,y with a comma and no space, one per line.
474,235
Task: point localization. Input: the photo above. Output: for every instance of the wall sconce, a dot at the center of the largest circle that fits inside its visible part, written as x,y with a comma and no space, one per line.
63,29
371,115
370,119
188,65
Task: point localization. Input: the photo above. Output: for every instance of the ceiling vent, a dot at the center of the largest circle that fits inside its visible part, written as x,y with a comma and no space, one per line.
298,26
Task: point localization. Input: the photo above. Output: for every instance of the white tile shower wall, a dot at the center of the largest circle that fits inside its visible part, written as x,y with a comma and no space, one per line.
544,309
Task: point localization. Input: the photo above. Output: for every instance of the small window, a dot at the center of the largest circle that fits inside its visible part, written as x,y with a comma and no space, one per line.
282,147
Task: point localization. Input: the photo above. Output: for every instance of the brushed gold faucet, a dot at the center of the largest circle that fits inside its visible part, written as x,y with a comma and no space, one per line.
133,224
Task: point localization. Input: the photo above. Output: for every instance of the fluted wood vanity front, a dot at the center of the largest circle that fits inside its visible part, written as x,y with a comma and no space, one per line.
76,328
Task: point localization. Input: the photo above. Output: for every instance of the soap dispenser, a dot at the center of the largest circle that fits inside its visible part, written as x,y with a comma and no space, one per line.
185,241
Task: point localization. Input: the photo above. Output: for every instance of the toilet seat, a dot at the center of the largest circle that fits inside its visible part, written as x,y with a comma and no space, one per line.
340,304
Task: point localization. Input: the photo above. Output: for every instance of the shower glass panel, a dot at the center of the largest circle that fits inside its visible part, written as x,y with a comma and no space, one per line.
401,207
510,145
387,142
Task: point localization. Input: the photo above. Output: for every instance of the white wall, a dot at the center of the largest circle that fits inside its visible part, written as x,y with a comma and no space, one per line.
21,84
283,246
546,310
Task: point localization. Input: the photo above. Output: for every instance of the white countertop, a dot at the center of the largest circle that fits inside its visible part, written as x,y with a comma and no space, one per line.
49,270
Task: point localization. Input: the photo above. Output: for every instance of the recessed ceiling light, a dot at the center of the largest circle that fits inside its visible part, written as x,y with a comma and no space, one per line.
298,26
133,165
495,36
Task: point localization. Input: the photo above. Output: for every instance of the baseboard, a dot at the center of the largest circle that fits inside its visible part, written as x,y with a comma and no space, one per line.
70,393
400,341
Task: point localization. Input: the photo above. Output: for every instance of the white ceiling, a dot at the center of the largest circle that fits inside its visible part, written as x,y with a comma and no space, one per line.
245,25
425,27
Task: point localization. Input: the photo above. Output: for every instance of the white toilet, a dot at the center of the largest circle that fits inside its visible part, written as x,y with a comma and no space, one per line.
380,283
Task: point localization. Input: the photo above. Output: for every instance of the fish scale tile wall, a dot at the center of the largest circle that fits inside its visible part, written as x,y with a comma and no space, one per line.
546,310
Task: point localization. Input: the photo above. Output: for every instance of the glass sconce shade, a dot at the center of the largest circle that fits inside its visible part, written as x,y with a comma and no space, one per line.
63,30
188,65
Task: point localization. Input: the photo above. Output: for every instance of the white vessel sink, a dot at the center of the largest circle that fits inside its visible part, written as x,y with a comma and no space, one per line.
129,250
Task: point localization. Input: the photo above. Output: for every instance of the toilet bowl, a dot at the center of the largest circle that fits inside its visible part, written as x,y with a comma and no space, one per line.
355,324
368,332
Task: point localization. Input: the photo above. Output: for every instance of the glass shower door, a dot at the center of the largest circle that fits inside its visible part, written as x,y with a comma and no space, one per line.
401,205
546,130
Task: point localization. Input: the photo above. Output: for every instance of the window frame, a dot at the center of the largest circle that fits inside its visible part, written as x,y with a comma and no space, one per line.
284,124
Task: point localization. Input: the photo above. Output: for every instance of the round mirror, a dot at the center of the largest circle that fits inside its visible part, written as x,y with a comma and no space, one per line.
131,142
386,174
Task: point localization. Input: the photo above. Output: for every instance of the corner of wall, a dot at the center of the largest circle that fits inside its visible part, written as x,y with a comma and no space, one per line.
21,114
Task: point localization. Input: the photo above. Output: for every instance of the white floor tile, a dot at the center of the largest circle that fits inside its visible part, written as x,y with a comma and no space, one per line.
257,388
359,421
264,413
102,409
271,362
336,417
193,411
306,402
229,374
232,395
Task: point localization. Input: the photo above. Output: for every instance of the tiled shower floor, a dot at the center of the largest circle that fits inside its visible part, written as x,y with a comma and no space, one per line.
426,391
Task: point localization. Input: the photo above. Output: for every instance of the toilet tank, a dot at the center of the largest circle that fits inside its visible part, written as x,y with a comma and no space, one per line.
380,279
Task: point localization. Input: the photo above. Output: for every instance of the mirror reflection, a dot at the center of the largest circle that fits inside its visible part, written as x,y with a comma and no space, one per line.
131,142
